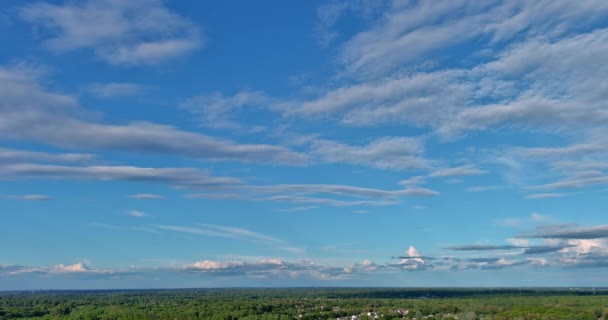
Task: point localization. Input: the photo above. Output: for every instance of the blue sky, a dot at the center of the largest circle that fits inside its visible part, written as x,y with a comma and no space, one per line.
149,144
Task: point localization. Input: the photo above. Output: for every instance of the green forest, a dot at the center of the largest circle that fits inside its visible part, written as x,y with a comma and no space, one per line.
308,304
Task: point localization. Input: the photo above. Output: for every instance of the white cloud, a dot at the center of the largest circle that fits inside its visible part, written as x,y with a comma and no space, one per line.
346,190
569,232
182,177
297,209
519,242
413,181
466,170
363,266
540,218
309,194
114,89
482,188
546,195
31,113
27,197
534,218
78,267
560,86
214,265
418,99
327,15
36,197
538,262
575,183
390,153
136,214
549,78
218,111
147,196
59,269
413,261
211,230
18,156
120,32
411,30
328,201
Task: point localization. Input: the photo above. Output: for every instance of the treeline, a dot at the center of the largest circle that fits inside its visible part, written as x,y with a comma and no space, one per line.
307,304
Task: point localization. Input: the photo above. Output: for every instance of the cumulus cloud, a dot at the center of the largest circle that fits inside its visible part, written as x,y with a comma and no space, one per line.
414,261
60,269
363,266
268,268
566,246
207,265
141,32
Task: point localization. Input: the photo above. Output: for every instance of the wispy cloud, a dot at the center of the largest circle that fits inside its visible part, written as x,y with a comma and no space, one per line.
482,247
136,214
184,177
56,119
218,111
211,230
467,170
146,196
121,33
329,202
114,89
568,232
408,31
546,195
345,190
19,156
26,197
482,188
391,153
297,209
534,218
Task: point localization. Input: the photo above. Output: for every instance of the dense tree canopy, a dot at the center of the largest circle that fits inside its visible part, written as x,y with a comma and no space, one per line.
306,304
